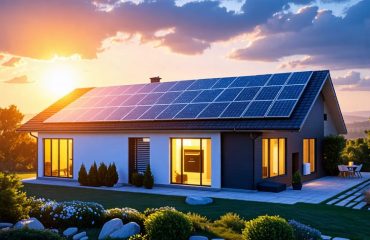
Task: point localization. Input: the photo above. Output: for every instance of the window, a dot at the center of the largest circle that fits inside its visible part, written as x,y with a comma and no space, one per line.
309,152
191,161
325,117
58,157
273,157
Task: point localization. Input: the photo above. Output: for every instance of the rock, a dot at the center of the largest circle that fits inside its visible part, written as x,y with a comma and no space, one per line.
198,238
84,238
217,239
339,238
5,229
79,236
126,231
31,223
6,225
70,231
54,230
324,237
196,200
110,227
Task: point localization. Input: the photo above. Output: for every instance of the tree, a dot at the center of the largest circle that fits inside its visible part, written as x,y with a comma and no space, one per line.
82,176
333,147
17,150
93,176
112,175
358,151
102,174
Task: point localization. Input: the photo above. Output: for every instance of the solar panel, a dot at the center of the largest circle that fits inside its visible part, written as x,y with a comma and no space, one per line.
191,111
235,110
213,110
231,97
257,109
281,108
207,96
268,93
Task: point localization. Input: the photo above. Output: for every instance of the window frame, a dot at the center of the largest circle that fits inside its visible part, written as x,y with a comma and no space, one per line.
309,153
182,161
269,160
51,157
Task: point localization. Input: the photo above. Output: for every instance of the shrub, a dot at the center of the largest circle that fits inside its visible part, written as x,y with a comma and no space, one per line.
93,176
102,174
65,214
304,232
13,201
296,178
137,179
232,221
268,228
29,234
112,175
138,237
199,222
150,211
148,178
82,176
332,149
126,215
168,225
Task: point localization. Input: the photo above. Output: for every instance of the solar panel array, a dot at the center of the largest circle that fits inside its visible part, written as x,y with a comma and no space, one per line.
261,96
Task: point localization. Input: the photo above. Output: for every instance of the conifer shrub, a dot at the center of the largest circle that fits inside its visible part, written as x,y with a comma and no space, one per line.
102,174
82,176
137,179
112,175
148,178
93,176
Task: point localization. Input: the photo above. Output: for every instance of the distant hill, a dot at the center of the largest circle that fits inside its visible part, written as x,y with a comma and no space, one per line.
357,123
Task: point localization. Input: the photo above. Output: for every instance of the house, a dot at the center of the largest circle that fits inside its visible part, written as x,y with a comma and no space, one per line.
231,132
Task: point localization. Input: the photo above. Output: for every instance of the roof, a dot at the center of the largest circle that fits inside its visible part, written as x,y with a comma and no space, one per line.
44,122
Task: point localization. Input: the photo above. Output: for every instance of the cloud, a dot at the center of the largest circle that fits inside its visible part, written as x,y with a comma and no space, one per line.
325,39
352,81
1,57
11,62
18,80
41,29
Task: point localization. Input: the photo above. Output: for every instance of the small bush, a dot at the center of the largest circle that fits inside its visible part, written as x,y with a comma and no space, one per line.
102,174
148,178
65,214
296,178
112,175
126,215
82,176
93,176
29,234
200,223
13,201
150,211
168,225
304,232
232,221
137,179
268,228
138,237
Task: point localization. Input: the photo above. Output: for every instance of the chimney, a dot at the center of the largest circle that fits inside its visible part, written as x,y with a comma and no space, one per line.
155,79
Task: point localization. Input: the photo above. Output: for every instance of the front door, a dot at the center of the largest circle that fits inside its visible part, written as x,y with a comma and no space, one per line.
139,155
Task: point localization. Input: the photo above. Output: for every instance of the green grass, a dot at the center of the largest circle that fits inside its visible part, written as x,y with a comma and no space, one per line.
330,220
24,175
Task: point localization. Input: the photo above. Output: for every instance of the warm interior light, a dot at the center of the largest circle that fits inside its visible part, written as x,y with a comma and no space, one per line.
350,163
146,139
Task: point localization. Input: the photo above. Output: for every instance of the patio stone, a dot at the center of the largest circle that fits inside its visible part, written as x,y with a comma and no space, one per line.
359,199
360,205
350,204
332,201
198,238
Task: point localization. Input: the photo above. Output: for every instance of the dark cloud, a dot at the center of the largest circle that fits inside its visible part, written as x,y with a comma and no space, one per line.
11,62
353,81
41,29
18,80
326,40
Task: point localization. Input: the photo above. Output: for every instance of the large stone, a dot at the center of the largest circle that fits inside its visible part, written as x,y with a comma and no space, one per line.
126,231
70,231
196,200
325,237
198,238
6,225
110,227
31,223
85,238
78,236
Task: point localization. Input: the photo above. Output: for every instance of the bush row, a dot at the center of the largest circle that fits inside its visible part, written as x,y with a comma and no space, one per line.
146,179
96,177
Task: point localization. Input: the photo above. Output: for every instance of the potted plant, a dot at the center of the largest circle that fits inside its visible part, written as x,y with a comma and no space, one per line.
297,181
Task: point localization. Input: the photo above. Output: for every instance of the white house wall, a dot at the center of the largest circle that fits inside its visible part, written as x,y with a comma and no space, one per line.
108,148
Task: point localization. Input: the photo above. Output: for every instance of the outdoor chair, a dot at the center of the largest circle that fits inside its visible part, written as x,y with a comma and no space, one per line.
358,171
343,171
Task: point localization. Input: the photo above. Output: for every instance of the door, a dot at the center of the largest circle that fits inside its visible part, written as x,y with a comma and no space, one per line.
139,155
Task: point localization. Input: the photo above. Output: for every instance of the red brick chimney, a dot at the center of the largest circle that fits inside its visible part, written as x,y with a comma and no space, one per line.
155,79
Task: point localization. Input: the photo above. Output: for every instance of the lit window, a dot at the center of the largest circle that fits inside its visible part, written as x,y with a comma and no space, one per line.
273,157
309,152
58,158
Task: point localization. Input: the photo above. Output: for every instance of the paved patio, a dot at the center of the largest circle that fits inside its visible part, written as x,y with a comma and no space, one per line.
315,191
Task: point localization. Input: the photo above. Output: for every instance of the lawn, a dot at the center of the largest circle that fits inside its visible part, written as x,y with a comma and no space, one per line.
24,175
330,220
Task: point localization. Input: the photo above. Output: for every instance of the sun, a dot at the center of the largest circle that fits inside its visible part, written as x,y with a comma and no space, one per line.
60,79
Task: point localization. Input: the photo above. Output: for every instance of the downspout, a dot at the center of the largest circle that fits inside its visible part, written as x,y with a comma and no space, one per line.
37,153
254,137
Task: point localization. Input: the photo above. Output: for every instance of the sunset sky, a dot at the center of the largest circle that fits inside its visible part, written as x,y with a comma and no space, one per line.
49,47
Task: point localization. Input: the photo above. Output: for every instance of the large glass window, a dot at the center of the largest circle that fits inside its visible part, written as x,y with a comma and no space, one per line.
58,157
191,161
309,152
273,157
